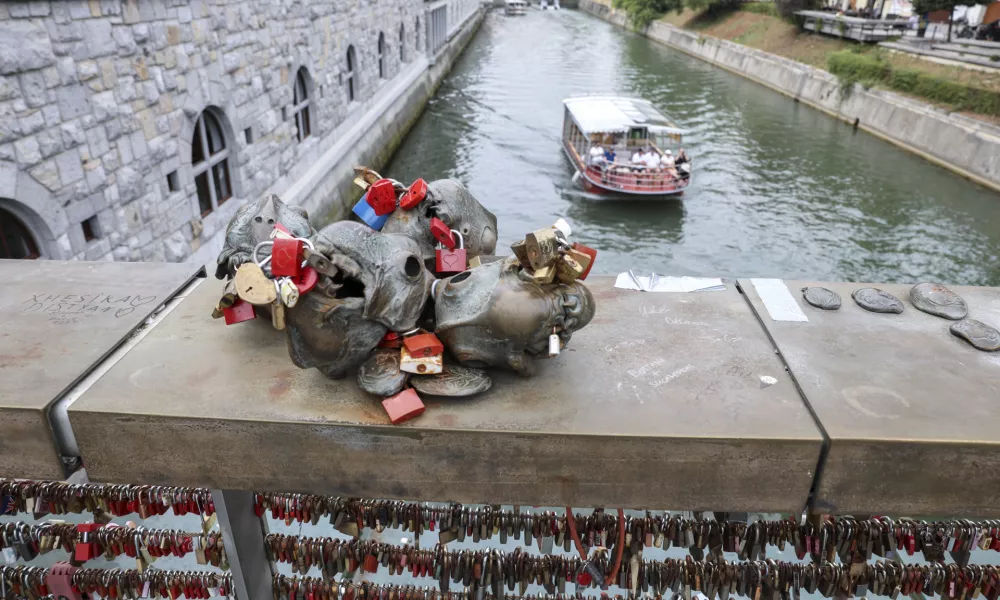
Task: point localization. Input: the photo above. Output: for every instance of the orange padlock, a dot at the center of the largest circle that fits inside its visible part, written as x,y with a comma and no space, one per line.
391,340
414,196
424,344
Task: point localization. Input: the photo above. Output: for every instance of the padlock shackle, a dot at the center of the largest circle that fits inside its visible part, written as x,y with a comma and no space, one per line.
461,240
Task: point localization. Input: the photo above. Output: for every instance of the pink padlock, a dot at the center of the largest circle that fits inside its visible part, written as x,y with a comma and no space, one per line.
59,580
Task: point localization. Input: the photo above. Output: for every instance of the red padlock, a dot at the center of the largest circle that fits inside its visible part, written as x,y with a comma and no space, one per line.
59,580
424,344
451,260
286,257
371,563
403,406
381,197
589,252
86,549
442,233
391,340
306,279
414,196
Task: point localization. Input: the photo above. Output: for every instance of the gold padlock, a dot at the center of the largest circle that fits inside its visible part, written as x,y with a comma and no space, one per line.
542,247
427,365
253,286
568,269
475,261
521,253
278,316
229,298
543,275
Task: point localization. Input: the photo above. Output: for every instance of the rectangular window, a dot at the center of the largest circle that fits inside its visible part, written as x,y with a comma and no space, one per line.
91,229
173,182
197,154
204,196
220,173
248,134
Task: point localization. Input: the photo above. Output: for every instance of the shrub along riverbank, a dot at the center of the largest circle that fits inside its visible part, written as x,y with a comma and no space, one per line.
758,25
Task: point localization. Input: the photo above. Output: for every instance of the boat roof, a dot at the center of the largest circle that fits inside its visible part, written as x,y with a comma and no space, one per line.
617,114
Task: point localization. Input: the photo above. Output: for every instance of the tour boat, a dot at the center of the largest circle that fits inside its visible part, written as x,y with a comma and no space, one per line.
516,7
625,146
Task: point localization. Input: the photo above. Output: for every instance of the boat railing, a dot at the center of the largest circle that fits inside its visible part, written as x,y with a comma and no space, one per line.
637,178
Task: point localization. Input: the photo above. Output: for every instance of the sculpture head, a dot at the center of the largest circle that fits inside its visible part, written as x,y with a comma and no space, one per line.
253,224
386,270
449,201
494,316
330,333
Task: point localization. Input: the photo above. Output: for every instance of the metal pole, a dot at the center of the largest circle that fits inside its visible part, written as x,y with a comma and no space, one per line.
243,536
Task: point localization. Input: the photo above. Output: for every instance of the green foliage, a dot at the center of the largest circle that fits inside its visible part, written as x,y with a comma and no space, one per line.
643,12
761,8
871,69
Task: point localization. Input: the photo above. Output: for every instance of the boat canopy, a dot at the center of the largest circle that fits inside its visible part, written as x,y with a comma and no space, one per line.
617,114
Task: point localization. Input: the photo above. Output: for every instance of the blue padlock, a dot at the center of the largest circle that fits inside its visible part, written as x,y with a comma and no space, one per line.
367,214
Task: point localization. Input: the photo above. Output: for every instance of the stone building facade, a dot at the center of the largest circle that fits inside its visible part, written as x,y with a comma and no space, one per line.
134,129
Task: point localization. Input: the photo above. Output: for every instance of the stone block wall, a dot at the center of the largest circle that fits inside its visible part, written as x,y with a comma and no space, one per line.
99,101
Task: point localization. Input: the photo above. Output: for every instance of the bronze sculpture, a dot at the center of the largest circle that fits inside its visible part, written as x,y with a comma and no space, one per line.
353,299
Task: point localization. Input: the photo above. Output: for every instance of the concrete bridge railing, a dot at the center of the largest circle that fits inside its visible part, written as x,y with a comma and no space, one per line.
688,401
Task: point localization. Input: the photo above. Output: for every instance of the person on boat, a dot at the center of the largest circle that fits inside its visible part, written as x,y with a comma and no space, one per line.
597,156
610,155
637,158
683,163
651,159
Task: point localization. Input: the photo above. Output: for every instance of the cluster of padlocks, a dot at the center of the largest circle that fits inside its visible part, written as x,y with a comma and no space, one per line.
352,297
29,539
565,553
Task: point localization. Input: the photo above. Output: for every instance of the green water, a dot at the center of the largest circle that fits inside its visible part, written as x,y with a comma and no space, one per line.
779,189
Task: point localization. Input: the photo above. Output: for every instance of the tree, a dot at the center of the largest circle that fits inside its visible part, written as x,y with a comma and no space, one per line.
643,12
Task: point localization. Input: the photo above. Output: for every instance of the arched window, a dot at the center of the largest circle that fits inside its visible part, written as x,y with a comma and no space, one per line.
301,105
381,55
15,239
402,43
349,76
210,162
416,35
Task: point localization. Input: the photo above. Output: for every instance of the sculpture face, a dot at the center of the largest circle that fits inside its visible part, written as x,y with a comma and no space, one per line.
386,269
449,201
492,316
253,224
330,333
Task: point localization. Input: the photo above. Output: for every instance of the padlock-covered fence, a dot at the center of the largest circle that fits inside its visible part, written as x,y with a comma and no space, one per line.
452,551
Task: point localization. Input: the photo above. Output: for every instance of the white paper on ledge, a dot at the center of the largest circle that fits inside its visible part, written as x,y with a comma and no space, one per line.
669,284
778,301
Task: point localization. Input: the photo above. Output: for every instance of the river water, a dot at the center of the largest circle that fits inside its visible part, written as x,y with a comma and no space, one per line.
779,189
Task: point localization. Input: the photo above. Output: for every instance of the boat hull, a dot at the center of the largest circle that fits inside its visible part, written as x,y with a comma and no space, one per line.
592,181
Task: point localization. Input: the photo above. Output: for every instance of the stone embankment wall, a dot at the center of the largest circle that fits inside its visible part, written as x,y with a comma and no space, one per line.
969,147
103,104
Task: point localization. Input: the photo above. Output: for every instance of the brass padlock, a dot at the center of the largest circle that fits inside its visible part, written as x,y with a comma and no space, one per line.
253,286
229,297
568,269
543,275
278,315
520,250
542,247
475,261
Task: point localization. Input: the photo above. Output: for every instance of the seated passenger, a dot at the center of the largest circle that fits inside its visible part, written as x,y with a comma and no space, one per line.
597,156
